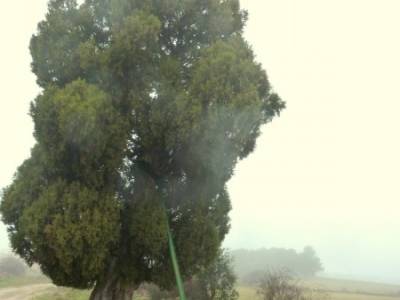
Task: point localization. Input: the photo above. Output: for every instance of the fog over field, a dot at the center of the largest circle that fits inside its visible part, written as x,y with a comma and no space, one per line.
323,174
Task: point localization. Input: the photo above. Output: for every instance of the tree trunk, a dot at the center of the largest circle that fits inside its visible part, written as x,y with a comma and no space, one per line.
111,288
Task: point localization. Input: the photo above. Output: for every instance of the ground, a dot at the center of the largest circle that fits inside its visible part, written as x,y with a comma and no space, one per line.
24,292
32,288
341,290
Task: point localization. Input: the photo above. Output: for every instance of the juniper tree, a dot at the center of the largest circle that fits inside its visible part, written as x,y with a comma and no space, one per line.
146,107
217,281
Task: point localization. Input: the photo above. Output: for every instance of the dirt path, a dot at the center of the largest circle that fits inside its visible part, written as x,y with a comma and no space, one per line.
24,292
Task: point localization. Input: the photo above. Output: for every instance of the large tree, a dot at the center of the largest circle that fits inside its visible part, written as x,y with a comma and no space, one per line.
217,281
147,106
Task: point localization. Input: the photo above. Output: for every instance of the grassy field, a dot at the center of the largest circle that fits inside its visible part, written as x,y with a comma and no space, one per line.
341,290
21,281
337,290
248,293
69,294
352,286
347,296
63,294
245,294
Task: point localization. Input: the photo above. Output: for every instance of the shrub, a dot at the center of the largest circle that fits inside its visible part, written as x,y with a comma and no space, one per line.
281,285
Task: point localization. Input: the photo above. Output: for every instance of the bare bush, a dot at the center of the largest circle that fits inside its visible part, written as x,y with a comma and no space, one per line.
281,285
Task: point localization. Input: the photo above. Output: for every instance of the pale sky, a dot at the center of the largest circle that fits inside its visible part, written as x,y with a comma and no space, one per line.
325,172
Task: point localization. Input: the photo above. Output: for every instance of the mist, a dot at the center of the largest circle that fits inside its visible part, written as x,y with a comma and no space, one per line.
325,172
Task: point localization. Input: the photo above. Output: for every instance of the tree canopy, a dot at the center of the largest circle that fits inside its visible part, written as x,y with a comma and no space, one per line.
146,107
217,281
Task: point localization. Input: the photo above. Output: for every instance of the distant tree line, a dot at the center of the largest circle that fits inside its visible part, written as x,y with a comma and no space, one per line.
11,265
250,265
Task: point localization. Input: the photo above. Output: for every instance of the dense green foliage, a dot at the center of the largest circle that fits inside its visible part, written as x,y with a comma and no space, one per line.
250,265
145,104
217,280
213,282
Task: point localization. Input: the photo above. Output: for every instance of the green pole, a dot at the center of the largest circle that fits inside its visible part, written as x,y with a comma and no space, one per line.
175,265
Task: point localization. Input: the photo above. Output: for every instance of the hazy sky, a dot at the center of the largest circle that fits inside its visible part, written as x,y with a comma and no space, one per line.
324,173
